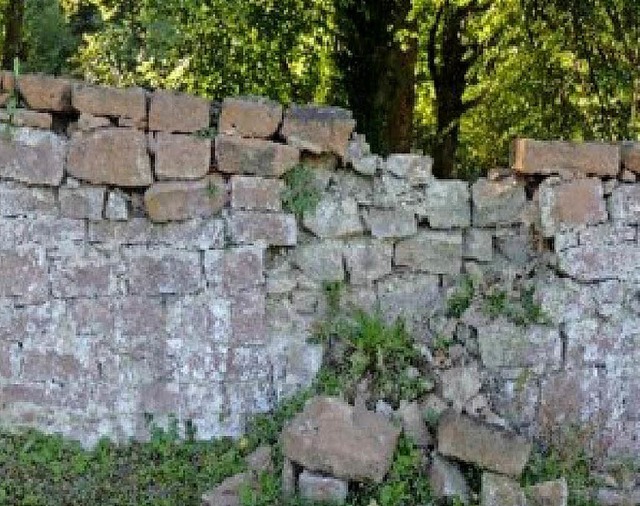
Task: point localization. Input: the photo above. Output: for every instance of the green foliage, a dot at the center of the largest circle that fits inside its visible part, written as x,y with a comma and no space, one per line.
522,308
301,194
461,299
206,133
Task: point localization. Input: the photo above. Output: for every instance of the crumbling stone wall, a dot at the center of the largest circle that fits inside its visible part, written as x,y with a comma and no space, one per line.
147,265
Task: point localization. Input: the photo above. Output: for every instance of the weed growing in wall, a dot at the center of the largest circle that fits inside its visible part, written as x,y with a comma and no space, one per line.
301,194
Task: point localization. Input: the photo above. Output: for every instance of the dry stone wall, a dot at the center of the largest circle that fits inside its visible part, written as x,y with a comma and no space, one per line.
147,265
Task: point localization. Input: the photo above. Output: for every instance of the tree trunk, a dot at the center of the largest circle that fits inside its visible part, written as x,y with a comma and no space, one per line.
13,15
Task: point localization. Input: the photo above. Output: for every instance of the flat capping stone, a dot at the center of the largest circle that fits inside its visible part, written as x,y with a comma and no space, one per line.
318,113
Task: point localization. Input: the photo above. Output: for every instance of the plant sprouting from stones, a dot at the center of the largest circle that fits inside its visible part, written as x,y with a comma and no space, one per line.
301,194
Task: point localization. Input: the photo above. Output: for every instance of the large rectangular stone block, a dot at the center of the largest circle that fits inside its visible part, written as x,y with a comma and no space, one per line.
180,156
178,112
447,204
272,229
248,324
437,252
46,93
85,202
320,261
163,271
367,261
83,277
250,117
392,223
551,157
593,262
128,103
33,156
23,275
177,201
571,204
256,193
254,156
498,202
116,156
630,152
318,129
415,169
236,269
334,217
624,204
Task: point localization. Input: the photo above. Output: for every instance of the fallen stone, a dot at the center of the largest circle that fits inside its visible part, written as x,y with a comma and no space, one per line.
551,157
178,112
108,101
85,202
497,202
501,491
273,229
180,156
260,460
549,493
413,424
331,437
334,217
416,169
316,487
250,117
437,252
33,156
447,481
318,129
236,155
256,193
392,223
115,156
228,492
571,204
460,384
447,204
478,443
176,201
46,93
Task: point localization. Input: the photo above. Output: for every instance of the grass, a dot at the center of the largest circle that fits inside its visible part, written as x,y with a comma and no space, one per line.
301,194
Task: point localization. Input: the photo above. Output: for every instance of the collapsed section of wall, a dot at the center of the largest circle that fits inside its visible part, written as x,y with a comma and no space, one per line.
147,265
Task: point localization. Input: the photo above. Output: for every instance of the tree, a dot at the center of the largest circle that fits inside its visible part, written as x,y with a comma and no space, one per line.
376,56
13,38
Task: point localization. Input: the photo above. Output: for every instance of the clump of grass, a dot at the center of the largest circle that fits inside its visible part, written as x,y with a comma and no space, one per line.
301,194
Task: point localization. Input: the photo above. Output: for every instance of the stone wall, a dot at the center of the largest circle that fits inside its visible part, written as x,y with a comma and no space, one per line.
147,265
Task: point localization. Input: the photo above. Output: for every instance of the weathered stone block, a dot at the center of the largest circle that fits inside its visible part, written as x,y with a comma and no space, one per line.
367,165
447,481
92,316
334,217
624,204
447,204
235,269
411,417
26,118
254,156
597,262
318,129
630,152
33,157
571,204
504,344
316,487
181,156
250,117
501,491
437,252
177,201
367,261
178,112
18,200
116,156
549,493
80,203
408,297
330,437
392,223
478,245
549,157
194,322
416,169
497,202
482,444
274,229
321,261
460,384
83,277
256,193
162,271
117,207
108,101
23,275
87,122
46,93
